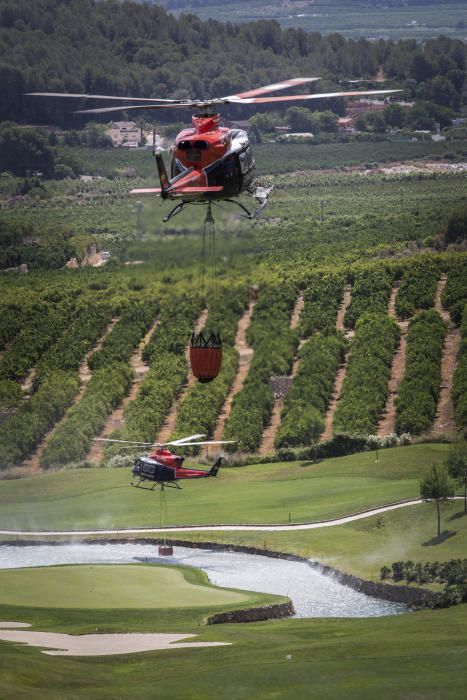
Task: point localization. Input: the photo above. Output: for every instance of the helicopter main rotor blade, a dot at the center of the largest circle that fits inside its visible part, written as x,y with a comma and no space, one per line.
283,85
127,442
102,97
207,442
186,439
317,96
102,110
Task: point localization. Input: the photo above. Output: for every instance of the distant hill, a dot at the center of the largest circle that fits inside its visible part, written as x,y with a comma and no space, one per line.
85,46
395,19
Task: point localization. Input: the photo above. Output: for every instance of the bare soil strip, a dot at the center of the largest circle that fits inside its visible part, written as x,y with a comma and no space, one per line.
97,644
116,418
343,308
32,464
245,357
169,425
387,422
444,418
269,433
340,376
26,383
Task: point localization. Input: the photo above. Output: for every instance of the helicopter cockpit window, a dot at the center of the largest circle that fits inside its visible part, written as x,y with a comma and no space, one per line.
196,145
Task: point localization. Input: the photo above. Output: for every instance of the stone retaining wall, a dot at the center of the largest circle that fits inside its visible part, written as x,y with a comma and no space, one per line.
268,612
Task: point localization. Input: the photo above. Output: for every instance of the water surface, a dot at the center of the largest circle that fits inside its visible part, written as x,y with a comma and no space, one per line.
312,593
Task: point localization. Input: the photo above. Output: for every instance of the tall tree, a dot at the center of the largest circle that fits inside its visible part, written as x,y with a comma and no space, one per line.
436,486
456,464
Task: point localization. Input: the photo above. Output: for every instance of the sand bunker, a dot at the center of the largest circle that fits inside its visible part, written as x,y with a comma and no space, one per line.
97,644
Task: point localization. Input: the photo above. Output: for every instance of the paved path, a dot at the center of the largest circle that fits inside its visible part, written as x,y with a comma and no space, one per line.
225,528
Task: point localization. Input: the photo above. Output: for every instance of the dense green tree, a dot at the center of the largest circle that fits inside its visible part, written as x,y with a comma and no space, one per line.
457,466
395,115
456,229
300,119
24,151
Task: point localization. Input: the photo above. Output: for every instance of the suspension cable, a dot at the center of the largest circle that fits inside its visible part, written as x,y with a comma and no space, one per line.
163,512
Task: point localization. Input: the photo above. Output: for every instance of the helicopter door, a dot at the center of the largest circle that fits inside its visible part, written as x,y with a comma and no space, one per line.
247,165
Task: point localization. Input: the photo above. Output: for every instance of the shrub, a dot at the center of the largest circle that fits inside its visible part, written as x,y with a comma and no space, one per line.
459,385
418,287
274,345
312,389
419,389
370,292
366,384
23,432
322,298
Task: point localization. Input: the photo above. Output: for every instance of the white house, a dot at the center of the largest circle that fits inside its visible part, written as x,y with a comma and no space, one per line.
124,134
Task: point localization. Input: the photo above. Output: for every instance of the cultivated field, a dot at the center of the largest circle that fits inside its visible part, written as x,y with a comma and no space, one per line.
356,294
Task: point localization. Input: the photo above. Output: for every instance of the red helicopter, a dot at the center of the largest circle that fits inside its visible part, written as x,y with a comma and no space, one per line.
165,468
209,161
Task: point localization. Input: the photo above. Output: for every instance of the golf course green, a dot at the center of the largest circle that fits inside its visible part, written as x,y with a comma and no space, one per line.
113,586
412,656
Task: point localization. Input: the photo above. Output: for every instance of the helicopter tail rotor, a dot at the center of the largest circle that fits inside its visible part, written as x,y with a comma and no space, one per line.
215,467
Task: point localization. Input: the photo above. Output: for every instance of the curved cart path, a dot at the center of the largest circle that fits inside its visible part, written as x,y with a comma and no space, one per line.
269,433
340,376
387,422
245,357
169,424
444,418
117,417
33,463
225,528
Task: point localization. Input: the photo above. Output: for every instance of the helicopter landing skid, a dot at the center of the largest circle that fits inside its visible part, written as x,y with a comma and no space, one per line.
176,210
161,484
260,193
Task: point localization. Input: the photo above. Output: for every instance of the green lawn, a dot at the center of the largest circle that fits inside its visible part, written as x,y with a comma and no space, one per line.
102,498
415,656
112,586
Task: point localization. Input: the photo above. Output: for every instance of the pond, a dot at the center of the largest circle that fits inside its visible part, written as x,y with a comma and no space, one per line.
313,594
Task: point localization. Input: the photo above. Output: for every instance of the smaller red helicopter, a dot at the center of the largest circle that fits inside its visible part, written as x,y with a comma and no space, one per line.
165,468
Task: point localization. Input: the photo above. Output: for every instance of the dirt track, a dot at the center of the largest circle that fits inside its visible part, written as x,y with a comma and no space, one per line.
387,422
444,420
269,433
245,357
32,464
169,424
117,417
340,376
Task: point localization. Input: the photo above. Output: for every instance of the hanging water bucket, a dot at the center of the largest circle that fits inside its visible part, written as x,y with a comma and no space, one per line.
166,550
205,357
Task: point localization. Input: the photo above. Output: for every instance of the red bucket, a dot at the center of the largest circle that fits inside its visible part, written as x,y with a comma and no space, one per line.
205,358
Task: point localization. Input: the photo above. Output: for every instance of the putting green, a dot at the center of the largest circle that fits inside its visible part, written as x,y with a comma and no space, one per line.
110,586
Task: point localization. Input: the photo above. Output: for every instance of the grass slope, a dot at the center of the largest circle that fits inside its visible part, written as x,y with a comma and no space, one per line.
96,498
416,655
